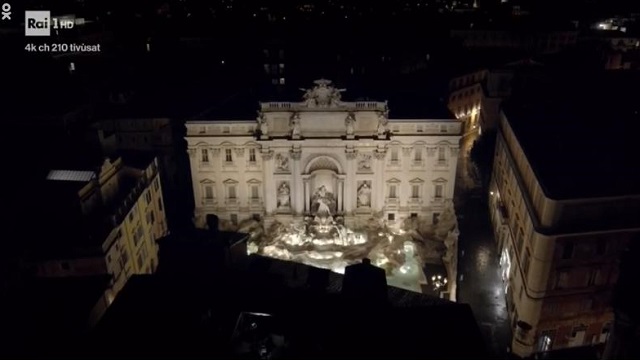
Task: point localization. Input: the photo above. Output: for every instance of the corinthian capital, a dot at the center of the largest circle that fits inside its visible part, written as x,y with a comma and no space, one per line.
267,154
379,154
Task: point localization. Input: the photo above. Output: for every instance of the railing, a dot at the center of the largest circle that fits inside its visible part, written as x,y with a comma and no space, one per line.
358,105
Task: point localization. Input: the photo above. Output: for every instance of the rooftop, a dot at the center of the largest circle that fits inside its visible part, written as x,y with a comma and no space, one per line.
196,321
84,233
577,133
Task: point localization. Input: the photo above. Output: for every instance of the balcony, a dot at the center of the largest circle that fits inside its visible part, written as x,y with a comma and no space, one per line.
208,201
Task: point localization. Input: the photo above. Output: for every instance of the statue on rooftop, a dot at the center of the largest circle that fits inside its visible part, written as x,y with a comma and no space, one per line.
323,94
350,122
262,124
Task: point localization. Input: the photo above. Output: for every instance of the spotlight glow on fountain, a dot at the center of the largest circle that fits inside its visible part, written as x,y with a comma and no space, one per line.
323,242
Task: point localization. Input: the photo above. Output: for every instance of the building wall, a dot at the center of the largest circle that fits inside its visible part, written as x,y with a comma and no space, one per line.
324,156
557,282
130,247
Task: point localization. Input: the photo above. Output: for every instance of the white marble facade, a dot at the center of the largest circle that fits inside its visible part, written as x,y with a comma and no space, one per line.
350,154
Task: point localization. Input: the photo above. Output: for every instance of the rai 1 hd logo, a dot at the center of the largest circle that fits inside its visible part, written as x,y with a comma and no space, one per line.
37,23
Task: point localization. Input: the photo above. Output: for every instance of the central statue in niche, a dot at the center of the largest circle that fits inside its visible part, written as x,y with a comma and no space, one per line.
324,205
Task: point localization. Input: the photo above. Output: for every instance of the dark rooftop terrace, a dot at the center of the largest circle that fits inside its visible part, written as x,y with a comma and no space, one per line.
578,133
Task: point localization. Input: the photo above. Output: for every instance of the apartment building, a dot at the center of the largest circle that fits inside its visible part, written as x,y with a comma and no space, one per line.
102,221
564,203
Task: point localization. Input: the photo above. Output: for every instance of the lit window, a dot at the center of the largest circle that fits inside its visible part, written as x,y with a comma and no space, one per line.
252,155
415,191
281,81
208,192
392,192
228,157
205,155
441,154
418,154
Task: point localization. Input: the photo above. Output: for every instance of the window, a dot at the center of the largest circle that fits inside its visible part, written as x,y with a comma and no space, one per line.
594,277
147,197
436,218
420,128
226,130
439,191
228,157
208,192
526,262
140,261
153,217
256,217
391,217
252,155
520,237
521,292
156,184
124,257
131,214
160,204
392,191
415,191
443,128
232,192
562,279
254,192
441,155
137,236
567,250
282,81
394,155
417,155
234,219
205,155
414,215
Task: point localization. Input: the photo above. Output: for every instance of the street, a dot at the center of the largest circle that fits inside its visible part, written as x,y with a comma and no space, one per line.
479,282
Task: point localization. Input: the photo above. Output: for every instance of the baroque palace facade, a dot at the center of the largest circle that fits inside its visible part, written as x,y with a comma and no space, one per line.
347,159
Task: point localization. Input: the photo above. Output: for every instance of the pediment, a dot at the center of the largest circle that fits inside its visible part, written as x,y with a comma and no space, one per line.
394,181
416,181
207,181
254,181
229,181
440,180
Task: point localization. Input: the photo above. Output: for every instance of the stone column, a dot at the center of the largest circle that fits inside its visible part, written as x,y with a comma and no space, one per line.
195,180
350,187
217,164
297,197
340,195
379,188
270,201
306,195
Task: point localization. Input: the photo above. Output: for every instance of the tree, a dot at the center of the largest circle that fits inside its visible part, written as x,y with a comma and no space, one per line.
482,154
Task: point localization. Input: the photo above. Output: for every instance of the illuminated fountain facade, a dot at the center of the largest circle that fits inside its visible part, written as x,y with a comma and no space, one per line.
328,181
